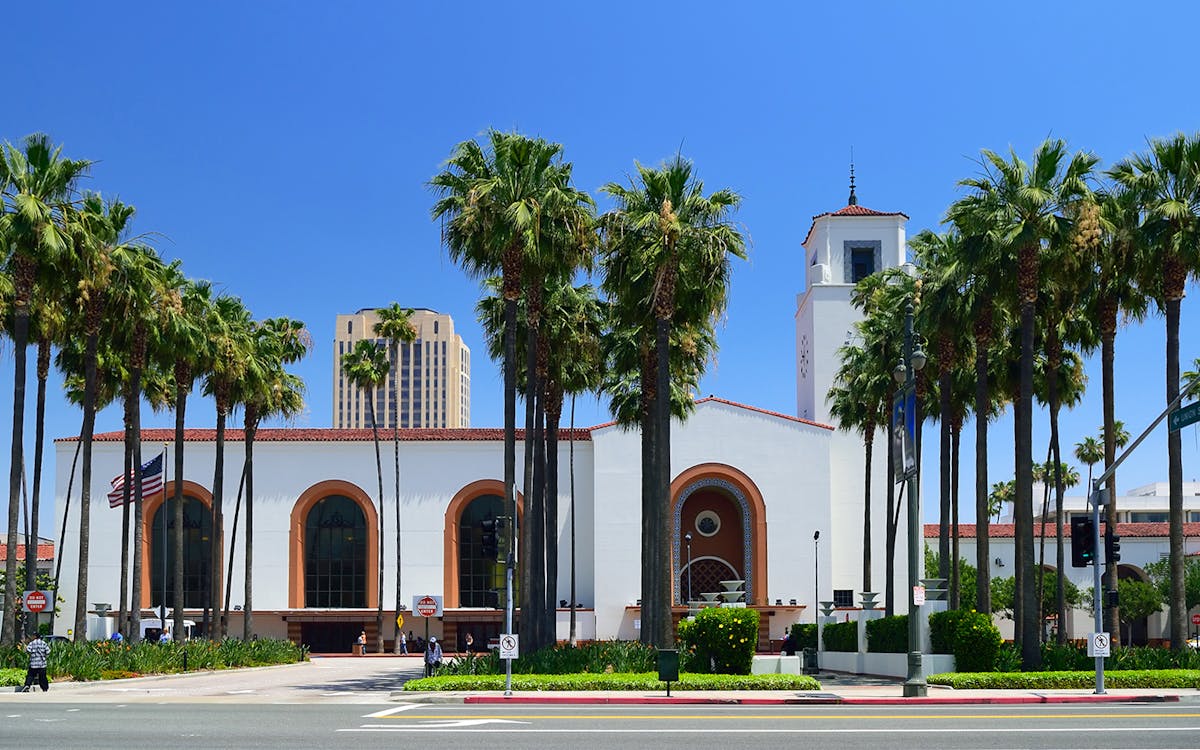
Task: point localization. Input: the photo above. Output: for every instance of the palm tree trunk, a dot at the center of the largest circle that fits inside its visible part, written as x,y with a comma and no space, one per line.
126,499
955,572
540,594
1041,537
379,475
889,596
553,416
664,634
868,444
510,437
983,560
1060,602
251,426
39,440
649,446
1178,604
217,560
85,499
395,375
135,604
1030,650
530,567
1107,356
945,388
17,463
571,453
177,536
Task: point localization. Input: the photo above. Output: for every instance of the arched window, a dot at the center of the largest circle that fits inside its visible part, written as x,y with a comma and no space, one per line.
197,552
335,554
480,575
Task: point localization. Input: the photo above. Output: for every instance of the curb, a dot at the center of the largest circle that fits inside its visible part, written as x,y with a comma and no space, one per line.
818,699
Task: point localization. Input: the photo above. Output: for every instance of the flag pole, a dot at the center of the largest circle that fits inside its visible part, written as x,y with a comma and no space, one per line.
162,603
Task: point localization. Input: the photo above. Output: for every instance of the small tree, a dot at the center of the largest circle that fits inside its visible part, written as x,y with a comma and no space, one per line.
1138,599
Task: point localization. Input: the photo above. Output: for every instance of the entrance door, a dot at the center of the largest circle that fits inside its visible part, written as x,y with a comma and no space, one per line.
330,637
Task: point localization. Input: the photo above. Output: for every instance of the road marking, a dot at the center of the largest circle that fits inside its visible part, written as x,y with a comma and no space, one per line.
805,716
680,730
457,724
389,711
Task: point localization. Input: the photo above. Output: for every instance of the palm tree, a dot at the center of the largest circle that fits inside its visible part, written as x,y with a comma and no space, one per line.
1166,180
229,330
395,325
187,353
1022,203
490,202
681,243
265,392
1089,451
36,182
366,367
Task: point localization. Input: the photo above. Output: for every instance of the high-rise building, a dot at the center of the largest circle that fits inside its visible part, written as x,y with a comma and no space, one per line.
432,377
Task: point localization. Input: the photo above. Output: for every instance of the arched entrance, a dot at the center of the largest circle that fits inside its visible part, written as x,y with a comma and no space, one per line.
724,512
467,575
334,548
197,547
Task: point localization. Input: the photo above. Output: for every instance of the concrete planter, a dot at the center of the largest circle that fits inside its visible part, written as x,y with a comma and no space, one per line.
884,665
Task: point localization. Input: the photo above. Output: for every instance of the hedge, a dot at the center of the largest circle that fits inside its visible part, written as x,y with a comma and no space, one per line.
615,681
840,636
888,635
1141,678
805,635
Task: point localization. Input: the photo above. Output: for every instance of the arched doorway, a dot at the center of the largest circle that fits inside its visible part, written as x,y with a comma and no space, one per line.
724,513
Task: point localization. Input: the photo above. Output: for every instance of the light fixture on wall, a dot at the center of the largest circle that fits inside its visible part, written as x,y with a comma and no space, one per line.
999,562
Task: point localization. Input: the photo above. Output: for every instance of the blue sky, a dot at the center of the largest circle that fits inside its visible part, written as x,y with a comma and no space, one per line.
281,149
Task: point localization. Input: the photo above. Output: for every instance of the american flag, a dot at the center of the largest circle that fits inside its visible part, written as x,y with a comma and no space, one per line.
152,482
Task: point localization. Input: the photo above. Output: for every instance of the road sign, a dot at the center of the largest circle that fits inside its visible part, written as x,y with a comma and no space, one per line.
1196,619
918,595
428,605
509,645
36,601
1099,644
399,621
1184,416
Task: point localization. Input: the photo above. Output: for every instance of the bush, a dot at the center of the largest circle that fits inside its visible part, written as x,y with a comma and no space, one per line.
805,635
976,642
1008,658
615,681
720,640
1068,657
841,636
598,656
1078,680
941,630
12,677
888,635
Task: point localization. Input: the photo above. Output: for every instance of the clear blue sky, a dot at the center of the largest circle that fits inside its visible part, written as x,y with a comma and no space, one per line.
281,149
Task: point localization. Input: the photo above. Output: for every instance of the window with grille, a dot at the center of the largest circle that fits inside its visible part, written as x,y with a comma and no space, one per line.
335,554
197,550
843,597
480,578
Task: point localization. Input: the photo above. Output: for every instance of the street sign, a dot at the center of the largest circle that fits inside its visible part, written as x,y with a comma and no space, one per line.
36,601
1196,619
1184,416
918,595
399,621
427,605
1099,644
509,645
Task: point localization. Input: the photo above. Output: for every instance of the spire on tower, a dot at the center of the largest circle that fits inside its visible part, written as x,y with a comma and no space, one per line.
853,197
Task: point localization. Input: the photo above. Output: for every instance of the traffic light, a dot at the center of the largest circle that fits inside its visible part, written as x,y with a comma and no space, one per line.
489,538
1112,544
1083,542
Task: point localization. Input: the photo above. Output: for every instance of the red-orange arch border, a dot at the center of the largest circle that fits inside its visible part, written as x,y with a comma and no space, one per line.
454,511
304,504
758,518
150,506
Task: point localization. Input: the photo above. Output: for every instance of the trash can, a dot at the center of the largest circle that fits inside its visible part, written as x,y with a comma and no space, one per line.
808,659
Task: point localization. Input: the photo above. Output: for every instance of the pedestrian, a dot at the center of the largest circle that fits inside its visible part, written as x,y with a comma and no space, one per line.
116,637
470,639
362,643
789,644
163,637
433,656
39,652
403,643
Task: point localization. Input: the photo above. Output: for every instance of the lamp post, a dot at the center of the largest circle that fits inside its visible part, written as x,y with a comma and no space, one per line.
904,427
816,573
687,538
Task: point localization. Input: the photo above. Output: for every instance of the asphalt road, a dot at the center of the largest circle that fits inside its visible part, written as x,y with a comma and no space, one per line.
147,724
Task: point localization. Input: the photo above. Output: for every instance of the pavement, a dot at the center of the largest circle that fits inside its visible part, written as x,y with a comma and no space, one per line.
379,679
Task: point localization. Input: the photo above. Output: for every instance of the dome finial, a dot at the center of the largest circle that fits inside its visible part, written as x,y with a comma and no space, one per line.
853,197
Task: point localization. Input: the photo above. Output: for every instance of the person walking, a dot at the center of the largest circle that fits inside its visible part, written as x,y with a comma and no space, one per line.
470,641
362,643
433,656
39,653
403,643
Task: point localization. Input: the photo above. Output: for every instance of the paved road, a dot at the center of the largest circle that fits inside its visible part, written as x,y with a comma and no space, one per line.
146,724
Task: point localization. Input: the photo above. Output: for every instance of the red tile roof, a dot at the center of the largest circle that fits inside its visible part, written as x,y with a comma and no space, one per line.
45,550
1006,530
788,417
324,434
854,210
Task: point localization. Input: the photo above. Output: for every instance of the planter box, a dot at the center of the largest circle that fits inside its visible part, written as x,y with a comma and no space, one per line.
775,665
883,665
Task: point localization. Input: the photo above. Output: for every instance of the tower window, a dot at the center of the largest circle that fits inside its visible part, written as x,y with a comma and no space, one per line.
862,263
349,327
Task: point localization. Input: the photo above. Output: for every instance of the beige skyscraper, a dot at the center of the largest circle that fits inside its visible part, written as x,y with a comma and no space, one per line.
433,388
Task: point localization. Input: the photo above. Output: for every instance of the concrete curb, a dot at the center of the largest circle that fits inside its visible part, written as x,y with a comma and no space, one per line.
792,700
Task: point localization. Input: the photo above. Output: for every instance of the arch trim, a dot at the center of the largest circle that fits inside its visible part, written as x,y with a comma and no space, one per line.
303,505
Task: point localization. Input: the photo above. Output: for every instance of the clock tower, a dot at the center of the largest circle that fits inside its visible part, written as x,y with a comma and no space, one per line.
841,248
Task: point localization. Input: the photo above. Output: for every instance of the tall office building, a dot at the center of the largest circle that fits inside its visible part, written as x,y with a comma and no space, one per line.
432,377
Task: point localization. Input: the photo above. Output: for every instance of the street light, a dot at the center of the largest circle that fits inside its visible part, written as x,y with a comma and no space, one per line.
688,539
904,427
816,573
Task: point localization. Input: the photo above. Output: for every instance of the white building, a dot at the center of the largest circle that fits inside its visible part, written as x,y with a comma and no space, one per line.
750,485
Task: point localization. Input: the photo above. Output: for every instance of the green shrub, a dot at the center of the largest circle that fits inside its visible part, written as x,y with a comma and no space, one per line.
1150,657
615,681
598,656
805,635
1008,658
941,630
976,642
1076,680
840,636
1068,657
719,640
10,677
888,635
